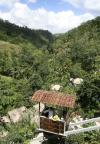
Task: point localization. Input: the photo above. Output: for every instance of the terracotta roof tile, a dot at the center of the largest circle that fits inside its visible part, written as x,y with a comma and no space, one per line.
54,98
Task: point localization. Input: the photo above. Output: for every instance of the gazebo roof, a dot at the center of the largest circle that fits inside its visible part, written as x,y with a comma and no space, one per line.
54,98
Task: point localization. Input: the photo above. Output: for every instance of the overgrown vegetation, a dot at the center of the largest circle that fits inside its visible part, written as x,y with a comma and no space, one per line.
35,59
19,133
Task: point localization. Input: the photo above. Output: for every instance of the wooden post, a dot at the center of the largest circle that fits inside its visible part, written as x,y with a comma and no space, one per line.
39,114
39,109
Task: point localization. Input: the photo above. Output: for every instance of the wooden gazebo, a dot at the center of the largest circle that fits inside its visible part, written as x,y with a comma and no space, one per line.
54,99
55,131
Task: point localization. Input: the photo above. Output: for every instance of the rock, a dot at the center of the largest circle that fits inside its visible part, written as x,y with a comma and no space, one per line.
6,119
1,120
35,117
38,139
71,79
55,87
36,107
76,81
76,119
3,134
97,122
22,113
15,115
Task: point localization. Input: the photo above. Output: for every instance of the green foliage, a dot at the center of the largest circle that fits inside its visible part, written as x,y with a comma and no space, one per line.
35,59
88,94
13,93
84,138
19,133
75,139
81,44
92,137
15,34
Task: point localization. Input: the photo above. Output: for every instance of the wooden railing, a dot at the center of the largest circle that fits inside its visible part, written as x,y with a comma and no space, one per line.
47,124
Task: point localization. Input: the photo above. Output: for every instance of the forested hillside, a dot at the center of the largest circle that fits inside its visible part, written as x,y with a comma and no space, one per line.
23,63
35,59
82,45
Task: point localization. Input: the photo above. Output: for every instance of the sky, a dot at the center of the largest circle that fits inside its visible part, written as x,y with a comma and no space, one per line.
57,16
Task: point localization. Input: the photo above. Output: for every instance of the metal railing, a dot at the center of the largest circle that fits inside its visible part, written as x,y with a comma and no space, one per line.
86,121
81,130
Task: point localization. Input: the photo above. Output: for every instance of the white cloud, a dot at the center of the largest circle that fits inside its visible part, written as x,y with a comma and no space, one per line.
92,5
8,3
75,3
56,22
32,1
